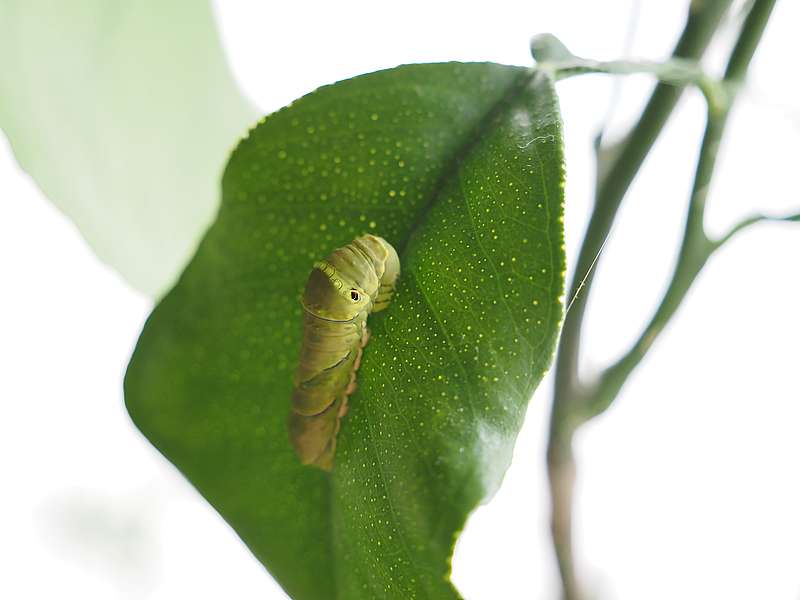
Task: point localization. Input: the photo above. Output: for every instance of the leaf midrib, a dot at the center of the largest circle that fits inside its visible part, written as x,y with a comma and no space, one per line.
448,171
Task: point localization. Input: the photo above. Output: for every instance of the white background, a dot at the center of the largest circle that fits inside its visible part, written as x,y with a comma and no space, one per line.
689,487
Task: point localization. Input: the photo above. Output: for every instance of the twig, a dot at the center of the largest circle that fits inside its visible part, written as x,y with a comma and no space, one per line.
696,247
570,397
750,221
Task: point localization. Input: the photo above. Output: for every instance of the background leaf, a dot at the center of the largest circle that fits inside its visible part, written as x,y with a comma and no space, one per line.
460,167
124,114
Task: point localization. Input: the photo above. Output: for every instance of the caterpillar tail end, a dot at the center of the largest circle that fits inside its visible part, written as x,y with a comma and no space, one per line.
314,437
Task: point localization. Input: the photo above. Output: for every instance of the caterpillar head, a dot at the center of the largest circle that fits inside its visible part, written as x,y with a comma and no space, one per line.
331,295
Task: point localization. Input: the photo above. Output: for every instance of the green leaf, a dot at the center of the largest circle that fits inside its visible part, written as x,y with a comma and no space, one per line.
460,167
124,114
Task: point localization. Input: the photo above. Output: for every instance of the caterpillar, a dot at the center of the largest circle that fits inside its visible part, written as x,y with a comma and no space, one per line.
341,292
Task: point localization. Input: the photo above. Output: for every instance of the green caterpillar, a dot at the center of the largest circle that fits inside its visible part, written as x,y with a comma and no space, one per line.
340,293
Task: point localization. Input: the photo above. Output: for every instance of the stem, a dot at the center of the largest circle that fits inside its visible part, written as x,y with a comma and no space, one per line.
573,402
694,252
561,473
696,248
749,222
676,72
702,22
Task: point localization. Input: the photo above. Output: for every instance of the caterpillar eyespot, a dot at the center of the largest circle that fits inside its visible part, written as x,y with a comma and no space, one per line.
340,293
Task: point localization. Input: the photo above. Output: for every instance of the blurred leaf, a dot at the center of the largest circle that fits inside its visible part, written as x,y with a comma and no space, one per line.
124,114
460,167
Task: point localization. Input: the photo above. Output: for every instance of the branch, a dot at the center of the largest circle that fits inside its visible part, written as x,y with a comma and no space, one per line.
696,247
689,266
750,221
573,401
568,395
702,22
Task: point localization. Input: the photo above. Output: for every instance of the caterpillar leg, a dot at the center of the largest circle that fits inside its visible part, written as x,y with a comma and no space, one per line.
353,384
